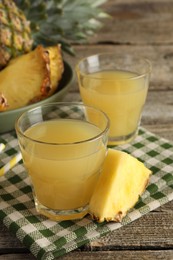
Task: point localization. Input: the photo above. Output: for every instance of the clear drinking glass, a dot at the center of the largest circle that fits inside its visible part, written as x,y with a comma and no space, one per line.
63,147
118,86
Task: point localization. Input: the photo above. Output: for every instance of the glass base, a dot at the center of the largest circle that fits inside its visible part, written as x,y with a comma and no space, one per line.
60,215
122,139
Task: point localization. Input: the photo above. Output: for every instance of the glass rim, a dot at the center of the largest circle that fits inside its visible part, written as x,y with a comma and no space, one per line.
147,62
96,137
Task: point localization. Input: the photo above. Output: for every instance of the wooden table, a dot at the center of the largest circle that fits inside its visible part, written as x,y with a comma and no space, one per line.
144,28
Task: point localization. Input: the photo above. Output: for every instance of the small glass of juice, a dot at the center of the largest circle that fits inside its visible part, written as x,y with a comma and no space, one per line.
117,85
63,146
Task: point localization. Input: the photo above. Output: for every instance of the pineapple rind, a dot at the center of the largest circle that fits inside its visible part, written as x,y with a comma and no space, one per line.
122,181
56,66
3,102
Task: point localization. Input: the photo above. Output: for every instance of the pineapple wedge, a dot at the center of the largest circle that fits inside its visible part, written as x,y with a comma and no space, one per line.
28,79
56,66
122,181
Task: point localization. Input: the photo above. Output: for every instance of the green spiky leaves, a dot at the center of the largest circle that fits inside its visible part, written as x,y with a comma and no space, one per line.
63,21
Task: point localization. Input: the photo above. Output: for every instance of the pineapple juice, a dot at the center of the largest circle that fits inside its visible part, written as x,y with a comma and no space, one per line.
119,95
63,174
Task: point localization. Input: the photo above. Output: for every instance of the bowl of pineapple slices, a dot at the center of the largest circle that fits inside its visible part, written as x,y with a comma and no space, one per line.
32,79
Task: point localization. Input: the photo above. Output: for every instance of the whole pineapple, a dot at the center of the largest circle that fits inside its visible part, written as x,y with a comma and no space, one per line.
26,23
15,33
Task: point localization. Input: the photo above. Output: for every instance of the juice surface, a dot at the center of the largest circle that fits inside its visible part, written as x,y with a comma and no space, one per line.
119,95
62,131
63,176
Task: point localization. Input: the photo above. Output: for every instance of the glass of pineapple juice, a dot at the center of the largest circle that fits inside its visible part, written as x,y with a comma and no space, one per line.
118,86
63,146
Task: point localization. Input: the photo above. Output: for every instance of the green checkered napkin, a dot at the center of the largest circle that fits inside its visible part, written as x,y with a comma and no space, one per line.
48,239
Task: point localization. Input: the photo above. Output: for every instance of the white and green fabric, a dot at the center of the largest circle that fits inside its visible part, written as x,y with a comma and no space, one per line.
48,239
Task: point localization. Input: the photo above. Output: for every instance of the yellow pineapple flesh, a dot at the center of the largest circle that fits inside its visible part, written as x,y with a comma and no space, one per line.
122,180
27,79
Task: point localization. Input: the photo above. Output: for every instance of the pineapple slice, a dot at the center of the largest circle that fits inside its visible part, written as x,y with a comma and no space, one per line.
121,182
56,66
27,79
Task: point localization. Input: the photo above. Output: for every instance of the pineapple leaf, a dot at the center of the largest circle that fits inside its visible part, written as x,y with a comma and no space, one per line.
65,21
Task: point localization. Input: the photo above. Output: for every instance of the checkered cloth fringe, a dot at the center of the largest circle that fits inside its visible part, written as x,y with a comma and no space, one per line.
48,239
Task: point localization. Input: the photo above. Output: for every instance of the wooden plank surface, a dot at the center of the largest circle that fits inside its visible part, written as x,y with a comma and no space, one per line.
161,58
143,28
138,22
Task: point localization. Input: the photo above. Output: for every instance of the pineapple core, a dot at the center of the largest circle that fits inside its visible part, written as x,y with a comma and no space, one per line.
122,180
